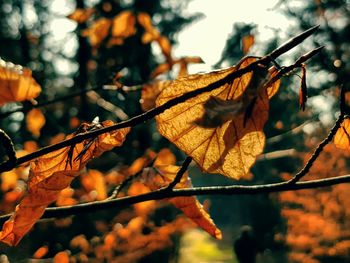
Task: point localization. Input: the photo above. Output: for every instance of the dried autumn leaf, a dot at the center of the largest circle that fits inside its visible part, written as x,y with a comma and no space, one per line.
52,173
303,89
229,149
150,92
97,32
342,136
16,83
123,26
165,46
81,15
183,62
161,69
161,176
247,42
35,120
151,33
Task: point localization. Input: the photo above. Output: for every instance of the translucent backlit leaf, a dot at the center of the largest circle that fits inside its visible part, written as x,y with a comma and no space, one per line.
16,83
52,173
231,148
150,92
81,15
247,42
35,120
342,136
151,33
98,31
161,176
123,26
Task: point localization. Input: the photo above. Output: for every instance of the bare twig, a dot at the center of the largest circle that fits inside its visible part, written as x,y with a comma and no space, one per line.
139,119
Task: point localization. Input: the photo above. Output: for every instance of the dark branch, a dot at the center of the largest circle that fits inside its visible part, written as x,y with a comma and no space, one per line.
139,119
179,174
211,190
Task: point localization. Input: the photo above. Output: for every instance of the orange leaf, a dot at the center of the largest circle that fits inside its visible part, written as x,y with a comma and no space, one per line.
161,176
94,181
150,92
342,136
97,32
247,42
81,15
123,26
232,147
40,252
161,69
52,173
16,83
165,46
35,120
61,257
151,33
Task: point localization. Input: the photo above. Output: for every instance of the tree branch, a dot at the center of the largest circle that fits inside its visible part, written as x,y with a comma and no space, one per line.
139,119
210,190
179,174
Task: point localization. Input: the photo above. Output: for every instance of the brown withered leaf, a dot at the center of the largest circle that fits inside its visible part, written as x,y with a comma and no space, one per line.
35,120
81,15
52,173
230,148
342,136
247,43
16,83
123,27
150,92
161,176
97,32
303,89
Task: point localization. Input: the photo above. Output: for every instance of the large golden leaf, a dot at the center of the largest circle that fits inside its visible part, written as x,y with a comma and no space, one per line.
52,173
230,147
16,83
161,176
342,136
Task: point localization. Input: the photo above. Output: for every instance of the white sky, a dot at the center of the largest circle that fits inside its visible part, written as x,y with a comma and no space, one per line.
207,37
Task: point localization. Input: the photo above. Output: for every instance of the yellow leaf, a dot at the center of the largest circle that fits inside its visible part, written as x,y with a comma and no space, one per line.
150,92
342,136
16,83
97,32
161,176
52,173
247,42
81,15
231,147
35,120
123,26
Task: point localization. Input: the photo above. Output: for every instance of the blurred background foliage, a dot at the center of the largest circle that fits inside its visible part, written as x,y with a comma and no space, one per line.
288,227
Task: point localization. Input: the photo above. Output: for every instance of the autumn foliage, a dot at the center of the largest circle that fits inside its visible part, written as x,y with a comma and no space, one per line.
216,119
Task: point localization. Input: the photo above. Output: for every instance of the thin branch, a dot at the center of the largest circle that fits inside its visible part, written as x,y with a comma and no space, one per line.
139,119
30,106
179,174
317,151
210,190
